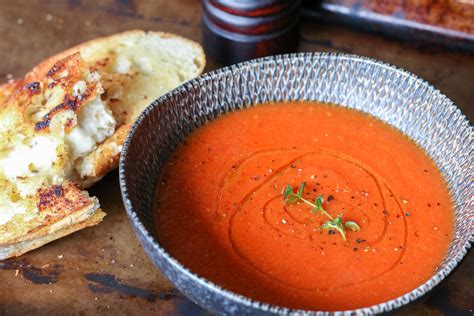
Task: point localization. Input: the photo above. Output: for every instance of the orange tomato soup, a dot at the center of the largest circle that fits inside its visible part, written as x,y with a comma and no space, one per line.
221,213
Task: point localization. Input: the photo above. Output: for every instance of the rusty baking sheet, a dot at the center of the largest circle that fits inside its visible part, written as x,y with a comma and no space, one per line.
446,22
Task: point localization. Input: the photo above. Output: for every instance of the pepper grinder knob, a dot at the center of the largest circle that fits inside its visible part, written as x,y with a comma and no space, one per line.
238,30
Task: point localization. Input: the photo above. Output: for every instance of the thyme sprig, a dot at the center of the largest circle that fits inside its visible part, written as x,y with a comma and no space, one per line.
336,224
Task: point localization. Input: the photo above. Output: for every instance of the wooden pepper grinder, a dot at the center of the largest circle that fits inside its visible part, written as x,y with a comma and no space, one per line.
238,30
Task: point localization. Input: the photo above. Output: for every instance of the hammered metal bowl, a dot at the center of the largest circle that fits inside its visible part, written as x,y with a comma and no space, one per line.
391,94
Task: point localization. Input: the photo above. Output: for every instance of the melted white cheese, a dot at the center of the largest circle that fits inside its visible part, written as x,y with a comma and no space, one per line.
94,124
27,160
9,210
79,88
122,65
144,64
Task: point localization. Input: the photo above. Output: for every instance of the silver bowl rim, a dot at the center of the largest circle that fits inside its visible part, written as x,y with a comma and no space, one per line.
385,306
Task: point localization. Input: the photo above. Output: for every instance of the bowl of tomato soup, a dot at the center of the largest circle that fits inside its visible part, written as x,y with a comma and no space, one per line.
302,183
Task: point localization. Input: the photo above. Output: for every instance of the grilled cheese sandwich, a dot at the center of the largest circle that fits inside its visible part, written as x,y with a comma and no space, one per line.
63,125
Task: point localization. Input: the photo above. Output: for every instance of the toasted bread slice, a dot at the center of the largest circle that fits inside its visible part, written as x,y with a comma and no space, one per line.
42,133
7,89
62,127
135,68
21,247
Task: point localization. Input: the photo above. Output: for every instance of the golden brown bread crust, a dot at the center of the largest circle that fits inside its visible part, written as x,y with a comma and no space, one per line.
75,68
19,248
58,205
42,68
7,88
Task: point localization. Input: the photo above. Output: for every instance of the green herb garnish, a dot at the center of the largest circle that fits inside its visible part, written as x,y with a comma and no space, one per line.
336,224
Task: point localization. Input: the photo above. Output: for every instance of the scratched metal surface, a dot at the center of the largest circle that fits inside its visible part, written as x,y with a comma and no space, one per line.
103,270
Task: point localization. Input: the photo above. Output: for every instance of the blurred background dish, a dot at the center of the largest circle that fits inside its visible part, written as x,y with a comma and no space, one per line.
446,22
234,31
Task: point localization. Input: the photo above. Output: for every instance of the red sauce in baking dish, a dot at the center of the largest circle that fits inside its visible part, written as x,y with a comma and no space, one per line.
221,213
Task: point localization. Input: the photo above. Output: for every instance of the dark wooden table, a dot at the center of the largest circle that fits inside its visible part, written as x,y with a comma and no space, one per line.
104,270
